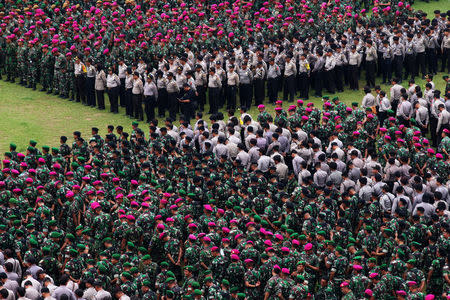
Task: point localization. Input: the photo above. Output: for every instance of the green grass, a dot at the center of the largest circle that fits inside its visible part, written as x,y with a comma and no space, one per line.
27,114
431,6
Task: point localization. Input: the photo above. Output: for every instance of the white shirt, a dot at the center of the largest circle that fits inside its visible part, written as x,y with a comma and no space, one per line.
122,70
112,80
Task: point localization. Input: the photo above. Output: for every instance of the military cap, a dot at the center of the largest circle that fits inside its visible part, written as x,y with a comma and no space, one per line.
147,283
55,235
169,279
128,276
170,274
102,268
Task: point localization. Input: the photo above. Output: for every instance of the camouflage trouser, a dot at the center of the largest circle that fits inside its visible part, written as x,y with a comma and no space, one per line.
32,75
435,286
9,69
46,79
22,68
69,85
252,293
58,78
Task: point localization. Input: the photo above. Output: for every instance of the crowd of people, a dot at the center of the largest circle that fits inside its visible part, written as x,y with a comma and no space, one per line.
303,202
306,203
177,57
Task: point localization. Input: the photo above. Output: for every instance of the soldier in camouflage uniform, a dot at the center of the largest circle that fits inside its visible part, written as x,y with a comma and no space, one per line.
32,72
22,61
60,68
47,63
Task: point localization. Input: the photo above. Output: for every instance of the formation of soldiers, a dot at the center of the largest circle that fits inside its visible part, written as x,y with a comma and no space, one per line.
301,203
172,57
304,202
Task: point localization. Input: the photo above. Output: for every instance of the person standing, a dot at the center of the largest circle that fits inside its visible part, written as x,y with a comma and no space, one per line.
419,49
422,117
443,122
161,83
100,84
273,74
186,102
445,48
128,93
59,69
245,85
371,63
386,61
80,73
385,105
223,79
112,85
258,83
137,91
214,85
398,50
200,84
90,83
68,85
173,92
341,62
150,97
122,69
318,73
232,84
290,70
47,65
11,59
432,46
410,57
330,63
32,64
434,116
354,61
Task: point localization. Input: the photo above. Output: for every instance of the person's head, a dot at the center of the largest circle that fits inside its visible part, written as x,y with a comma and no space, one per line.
63,279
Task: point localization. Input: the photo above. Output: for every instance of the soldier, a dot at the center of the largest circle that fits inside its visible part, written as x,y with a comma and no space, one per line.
59,71
32,62
47,65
